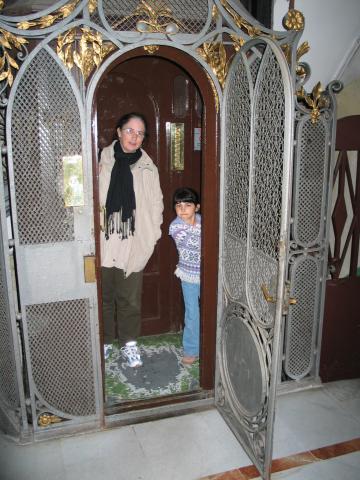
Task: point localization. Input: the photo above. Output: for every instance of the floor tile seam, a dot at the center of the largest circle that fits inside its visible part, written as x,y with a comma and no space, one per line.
314,456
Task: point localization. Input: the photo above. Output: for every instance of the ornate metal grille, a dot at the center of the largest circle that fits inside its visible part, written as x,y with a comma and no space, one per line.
8,382
52,130
191,15
311,175
236,182
243,344
61,355
302,319
266,194
269,140
254,68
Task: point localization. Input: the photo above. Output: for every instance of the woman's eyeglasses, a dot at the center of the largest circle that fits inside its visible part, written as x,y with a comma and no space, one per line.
131,132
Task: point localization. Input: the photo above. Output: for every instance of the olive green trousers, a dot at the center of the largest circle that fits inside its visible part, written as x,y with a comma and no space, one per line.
121,304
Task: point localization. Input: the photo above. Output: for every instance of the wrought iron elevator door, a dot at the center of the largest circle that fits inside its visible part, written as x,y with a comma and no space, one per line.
58,306
257,122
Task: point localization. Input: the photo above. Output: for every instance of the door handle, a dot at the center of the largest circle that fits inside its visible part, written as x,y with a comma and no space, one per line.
271,299
267,295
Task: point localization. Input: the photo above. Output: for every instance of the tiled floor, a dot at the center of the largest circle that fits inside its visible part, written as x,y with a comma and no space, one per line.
201,445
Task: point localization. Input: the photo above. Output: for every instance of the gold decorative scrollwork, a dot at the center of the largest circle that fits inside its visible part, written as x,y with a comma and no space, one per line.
154,19
151,49
216,96
1,4
46,419
50,19
7,42
214,54
294,20
303,48
92,6
214,12
240,21
316,100
91,51
238,42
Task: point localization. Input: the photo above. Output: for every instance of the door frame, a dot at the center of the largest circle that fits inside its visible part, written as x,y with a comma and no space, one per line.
210,188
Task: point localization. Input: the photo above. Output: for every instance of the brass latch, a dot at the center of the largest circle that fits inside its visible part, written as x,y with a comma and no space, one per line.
89,269
287,299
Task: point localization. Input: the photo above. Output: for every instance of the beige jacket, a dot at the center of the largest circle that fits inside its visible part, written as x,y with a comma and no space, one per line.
149,207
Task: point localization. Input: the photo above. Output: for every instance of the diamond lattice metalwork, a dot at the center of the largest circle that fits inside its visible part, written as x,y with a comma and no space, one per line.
312,168
61,355
190,16
53,130
236,182
8,381
302,319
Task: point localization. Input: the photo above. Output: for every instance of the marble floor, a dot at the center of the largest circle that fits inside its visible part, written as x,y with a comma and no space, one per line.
317,436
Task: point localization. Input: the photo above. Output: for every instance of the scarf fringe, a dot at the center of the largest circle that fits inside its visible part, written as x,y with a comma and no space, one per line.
114,224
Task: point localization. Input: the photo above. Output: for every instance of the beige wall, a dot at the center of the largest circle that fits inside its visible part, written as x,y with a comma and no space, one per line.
349,100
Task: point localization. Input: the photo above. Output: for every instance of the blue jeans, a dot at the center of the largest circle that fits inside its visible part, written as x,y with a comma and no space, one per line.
191,335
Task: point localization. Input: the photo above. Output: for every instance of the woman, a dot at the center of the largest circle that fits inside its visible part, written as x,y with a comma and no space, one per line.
131,204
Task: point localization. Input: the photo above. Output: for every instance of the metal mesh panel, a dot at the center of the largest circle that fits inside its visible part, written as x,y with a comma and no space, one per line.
8,381
254,68
61,355
301,321
53,130
311,171
268,159
266,194
189,15
236,181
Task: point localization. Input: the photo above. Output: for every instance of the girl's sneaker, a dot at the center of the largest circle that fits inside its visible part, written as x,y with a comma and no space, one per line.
132,354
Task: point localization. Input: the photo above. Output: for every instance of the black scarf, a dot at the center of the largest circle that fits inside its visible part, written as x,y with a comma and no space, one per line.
120,204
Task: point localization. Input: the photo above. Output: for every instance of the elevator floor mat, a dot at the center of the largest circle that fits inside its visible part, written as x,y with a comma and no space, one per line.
162,372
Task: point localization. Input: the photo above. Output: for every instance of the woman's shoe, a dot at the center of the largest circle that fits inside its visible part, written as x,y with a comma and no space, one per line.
189,359
131,354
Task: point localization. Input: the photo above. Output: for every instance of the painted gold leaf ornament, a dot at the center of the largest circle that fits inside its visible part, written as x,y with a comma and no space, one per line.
46,419
304,48
238,42
25,25
285,47
154,17
151,49
214,12
106,49
294,20
8,41
316,100
92,6
64,48
240,22
214,54
301,71
1,4
85,50
67,9
50,19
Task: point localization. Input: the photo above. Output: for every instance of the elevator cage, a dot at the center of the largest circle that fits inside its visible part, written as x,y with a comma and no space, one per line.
50,363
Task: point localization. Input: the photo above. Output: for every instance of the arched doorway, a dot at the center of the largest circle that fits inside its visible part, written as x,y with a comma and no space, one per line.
171,89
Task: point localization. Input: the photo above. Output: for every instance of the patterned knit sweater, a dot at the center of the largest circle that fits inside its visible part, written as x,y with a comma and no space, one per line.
188,243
